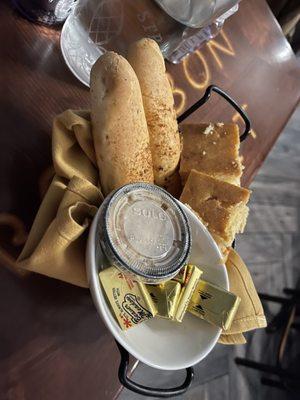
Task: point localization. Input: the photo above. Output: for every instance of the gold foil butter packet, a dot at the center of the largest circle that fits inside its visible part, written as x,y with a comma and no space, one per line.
214,304
193,274
129,299
165,297
180,277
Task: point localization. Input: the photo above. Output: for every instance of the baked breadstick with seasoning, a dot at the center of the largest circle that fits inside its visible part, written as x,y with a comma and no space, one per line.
119,124
149,66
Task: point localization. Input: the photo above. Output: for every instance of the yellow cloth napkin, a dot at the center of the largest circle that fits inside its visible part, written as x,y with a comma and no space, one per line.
250,314
234,338
57,240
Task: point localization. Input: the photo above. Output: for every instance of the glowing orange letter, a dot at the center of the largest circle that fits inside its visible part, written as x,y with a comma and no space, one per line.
227,49
204,73
177,92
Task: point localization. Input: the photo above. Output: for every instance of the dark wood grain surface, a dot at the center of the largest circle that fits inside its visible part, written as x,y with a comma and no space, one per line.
52,343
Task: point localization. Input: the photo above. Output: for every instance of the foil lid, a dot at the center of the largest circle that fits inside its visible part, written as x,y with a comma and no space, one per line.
196,13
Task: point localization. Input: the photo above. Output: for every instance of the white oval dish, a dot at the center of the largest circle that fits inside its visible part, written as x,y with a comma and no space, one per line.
160,343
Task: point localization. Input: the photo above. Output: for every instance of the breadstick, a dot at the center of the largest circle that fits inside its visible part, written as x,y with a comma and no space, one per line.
119,125
148,63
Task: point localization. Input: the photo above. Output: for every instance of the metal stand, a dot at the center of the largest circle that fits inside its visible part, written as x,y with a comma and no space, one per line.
145,390
206,97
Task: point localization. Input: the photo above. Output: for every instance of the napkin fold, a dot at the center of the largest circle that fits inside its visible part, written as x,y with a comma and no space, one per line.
234,338
57,241
250,314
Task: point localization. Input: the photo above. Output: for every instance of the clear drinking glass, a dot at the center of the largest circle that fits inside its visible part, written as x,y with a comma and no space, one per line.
47,12
96,26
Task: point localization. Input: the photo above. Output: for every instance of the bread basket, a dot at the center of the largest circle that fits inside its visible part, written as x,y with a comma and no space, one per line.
144,335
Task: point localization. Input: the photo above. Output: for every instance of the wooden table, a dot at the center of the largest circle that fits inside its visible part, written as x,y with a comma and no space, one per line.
52,343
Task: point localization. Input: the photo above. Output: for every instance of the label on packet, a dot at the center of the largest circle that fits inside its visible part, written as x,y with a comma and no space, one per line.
128,298
214,304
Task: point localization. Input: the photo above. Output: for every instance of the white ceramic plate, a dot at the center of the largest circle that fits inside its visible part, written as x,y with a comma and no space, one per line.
158,342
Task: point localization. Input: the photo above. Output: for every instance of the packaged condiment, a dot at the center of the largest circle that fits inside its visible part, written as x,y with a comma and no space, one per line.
144,232
165,297
180,277
214,304
129,299
192,277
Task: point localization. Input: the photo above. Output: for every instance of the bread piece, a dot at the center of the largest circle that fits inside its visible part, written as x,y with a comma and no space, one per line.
119,124
212,149
173,184
148,63
219,241
221,205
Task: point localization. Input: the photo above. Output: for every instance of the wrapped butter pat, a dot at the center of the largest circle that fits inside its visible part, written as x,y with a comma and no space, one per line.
180,277
214,304
165,297
193,274
128,298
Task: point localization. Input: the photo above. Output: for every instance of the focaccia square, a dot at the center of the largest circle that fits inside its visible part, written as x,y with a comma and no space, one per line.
220,205
212,149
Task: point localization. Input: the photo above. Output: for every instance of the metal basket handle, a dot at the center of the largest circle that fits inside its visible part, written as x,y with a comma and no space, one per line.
226,96
145,390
